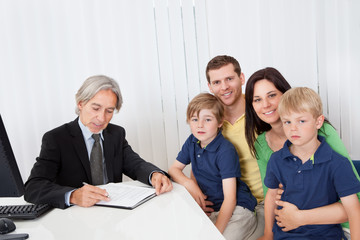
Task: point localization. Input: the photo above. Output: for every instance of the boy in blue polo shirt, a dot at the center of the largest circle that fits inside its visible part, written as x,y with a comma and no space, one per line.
313,175
215,166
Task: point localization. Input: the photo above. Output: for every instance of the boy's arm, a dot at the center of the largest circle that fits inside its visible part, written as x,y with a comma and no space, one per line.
208,204
269,208
291,217
176,173
228,205
352,208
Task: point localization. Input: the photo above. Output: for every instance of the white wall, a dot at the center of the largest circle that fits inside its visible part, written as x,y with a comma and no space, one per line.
157,51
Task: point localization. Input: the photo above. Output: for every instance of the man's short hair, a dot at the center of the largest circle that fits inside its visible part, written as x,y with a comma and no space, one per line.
205,101
300,99
220,61
93,85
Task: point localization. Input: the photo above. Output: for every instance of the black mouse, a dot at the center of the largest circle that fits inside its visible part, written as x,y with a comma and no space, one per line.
6,225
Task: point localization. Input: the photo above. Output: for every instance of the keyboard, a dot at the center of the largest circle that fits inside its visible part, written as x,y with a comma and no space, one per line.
28,211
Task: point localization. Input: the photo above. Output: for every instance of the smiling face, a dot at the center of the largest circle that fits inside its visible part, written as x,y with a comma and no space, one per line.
226,84
204,126
266,100
98,111
301,128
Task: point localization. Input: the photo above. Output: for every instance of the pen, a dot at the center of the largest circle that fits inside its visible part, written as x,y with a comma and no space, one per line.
85,183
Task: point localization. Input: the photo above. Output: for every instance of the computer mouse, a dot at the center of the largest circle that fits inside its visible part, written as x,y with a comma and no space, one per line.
6,225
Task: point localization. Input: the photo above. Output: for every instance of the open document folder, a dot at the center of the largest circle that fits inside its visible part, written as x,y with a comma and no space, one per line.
126,196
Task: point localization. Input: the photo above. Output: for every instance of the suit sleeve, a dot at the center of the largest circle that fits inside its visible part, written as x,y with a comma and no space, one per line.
41,187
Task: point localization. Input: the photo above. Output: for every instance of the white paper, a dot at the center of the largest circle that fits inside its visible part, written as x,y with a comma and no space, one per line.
126,196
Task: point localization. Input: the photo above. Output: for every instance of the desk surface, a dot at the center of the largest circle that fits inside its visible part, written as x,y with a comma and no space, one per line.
173,215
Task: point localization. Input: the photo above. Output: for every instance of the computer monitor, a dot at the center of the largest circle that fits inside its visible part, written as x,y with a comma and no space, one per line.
11,183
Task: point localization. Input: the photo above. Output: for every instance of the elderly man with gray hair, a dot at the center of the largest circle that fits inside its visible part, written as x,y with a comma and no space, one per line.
88,150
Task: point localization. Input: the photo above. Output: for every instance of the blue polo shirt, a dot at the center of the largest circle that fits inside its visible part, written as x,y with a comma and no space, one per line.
210,165
318,182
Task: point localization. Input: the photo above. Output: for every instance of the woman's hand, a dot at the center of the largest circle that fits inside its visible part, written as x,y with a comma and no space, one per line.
289,217
279,192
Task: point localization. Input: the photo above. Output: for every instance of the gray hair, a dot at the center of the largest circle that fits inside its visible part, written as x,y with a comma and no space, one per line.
93,85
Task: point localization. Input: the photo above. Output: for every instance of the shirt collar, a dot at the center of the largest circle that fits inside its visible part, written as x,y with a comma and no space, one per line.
237,120
322,154
213,145
87,133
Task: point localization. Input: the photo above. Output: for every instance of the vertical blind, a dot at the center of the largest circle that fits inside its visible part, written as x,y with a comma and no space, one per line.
157,51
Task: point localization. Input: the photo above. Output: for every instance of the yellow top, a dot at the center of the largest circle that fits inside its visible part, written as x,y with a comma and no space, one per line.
250,172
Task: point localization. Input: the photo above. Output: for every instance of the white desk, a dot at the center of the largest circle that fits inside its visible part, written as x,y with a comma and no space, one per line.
173,215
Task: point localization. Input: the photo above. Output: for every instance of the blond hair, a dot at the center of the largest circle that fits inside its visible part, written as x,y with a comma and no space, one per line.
205,101
300,99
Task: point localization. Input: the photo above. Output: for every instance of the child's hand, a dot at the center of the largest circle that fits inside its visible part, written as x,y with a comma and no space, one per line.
208,210
196,193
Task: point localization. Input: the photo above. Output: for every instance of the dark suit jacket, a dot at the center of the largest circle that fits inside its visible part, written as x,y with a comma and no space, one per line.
63,164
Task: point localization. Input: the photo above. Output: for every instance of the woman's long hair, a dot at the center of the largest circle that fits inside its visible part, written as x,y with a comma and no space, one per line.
253,124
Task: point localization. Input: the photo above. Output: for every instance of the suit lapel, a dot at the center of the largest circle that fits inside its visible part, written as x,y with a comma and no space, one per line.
80,147
109,154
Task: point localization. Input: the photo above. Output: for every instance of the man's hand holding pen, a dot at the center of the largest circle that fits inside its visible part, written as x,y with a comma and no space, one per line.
88,196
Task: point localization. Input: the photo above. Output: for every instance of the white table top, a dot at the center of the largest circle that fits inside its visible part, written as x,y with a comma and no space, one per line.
173,215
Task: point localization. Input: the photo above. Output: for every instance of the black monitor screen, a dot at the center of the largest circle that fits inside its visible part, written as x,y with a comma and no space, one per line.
11,183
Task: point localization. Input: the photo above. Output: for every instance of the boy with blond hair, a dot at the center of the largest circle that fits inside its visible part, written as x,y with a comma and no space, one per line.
216,168
313,175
